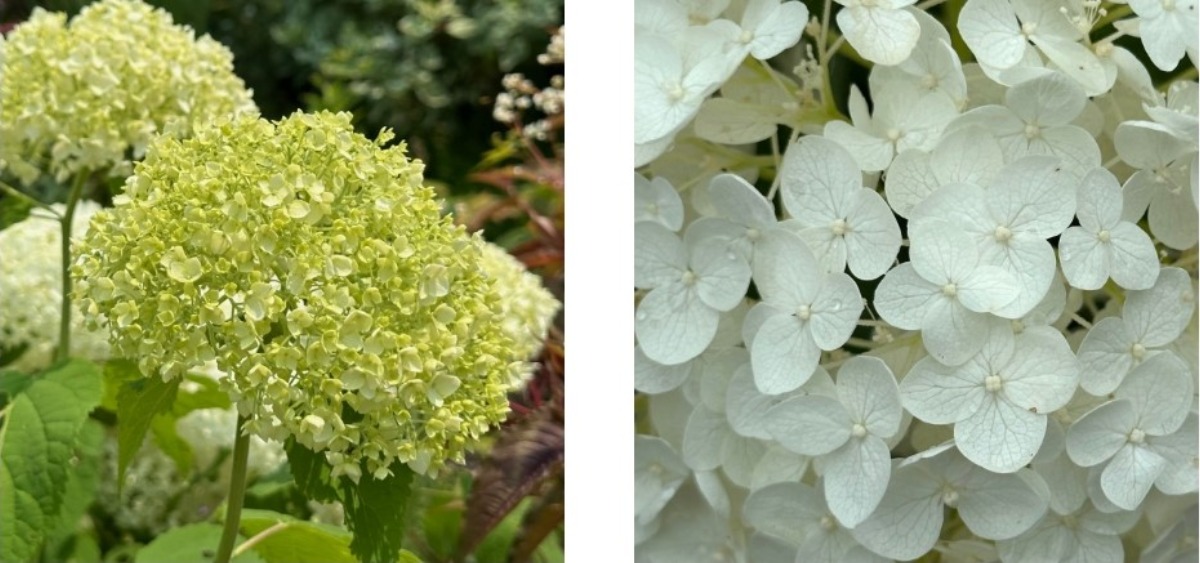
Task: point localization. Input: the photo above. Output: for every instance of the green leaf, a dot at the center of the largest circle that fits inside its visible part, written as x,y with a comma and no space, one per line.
296,541
196,543
12,383
209,396
311,472
82,481
166,437
375,513
116,374
37,442
375,509
138,402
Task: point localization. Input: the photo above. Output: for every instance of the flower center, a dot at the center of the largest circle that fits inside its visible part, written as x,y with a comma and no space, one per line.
993,383
1028,28
652,208
1137,350
804,312
1070,522
1168,5
950,290
1002,234
688,278
828,523
929,81
858,431
1018,326
1032,131
1104,235
674,92
1137,436
839,227
746,37
894,134
753,234
949,496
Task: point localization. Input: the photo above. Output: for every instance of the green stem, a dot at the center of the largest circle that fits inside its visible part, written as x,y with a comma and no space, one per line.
237,493
64,327
27,199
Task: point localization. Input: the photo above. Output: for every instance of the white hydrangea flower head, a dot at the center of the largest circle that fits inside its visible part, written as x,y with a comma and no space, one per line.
882,31
31,286
803,311
88,94
316,269
842,222
1029,211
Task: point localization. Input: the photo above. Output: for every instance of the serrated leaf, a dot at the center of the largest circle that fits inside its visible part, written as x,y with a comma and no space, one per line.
82,481
375,513
296,541
196,543
116,374
311,472
523,457
37,442
138,401
374,508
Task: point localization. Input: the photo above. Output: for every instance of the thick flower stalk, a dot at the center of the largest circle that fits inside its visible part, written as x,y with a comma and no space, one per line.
316,269
89,94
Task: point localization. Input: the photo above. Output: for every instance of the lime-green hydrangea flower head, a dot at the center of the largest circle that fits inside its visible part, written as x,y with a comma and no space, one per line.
527,309
319,273
90,94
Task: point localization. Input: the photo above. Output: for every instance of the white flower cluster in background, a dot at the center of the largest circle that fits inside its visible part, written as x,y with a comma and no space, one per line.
957,322
157,495
31,290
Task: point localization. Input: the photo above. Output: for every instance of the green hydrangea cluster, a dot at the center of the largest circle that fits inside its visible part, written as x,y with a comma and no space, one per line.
316,269
528,308
31,290
90,94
